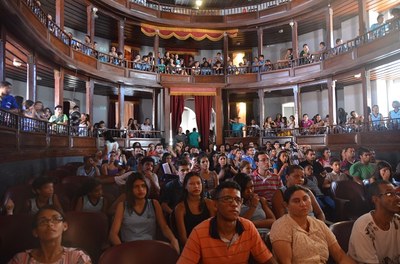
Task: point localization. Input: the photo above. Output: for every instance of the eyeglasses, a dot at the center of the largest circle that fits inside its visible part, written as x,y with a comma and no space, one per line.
390,194
230,199
54,220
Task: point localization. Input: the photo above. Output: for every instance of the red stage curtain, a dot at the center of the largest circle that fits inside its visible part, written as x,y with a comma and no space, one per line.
177,105
203,105
185,33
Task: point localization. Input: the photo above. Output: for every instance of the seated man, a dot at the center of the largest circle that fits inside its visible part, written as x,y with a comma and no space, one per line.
227,236
362,170
171,193
88,168
237,128
375,237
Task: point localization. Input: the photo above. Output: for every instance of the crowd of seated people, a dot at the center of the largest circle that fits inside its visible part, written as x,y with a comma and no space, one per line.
174,190
283,126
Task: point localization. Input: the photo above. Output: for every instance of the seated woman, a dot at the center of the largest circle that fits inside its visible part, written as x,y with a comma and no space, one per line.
44,195
295,175
210,178
112,168
193,209
137,217
298,238
48,226
254,207
224,170
92,199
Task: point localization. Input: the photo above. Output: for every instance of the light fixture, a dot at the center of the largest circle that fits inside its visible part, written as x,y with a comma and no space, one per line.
94,11
280,31
358,75
291,23
17,63
199,3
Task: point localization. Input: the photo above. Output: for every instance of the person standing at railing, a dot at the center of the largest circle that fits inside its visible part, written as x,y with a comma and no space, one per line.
237,128
304,57
376,118
146,127
394,115
378,30
255,66
74,118
7,101
59,120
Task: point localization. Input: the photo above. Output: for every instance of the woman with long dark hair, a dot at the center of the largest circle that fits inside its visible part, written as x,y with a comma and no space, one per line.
137,217
193,209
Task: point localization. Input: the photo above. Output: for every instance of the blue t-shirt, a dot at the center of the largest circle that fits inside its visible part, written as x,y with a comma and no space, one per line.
8,102
237,126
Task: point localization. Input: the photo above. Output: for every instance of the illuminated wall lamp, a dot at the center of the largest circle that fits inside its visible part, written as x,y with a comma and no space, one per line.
17,63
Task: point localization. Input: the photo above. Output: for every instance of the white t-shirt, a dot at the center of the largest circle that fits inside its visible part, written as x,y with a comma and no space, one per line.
370,244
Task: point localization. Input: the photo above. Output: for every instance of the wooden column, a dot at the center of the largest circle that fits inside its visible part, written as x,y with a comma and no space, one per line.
121,35
295,40
366,91
121,104
58,87
225,110
362,17
332,101
2,53
90,22
60,13
260,44
167,117
261,106
156,47
31,77
329,29
89,97
155,109
297,104
219,125
226,50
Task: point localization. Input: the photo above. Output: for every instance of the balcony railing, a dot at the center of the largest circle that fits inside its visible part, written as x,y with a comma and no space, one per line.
209,12
386,124
152,66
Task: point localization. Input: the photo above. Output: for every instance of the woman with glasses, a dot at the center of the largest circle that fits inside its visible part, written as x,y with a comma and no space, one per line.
298,238
48,226
193,209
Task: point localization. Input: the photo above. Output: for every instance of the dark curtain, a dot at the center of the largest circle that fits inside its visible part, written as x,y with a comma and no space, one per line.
203,105
111,115
136,113
177,105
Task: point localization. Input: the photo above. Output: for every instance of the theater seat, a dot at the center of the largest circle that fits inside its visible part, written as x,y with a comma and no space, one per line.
87,231
139,252
15,236
67,194
19,194
342,231
78,180
350,200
